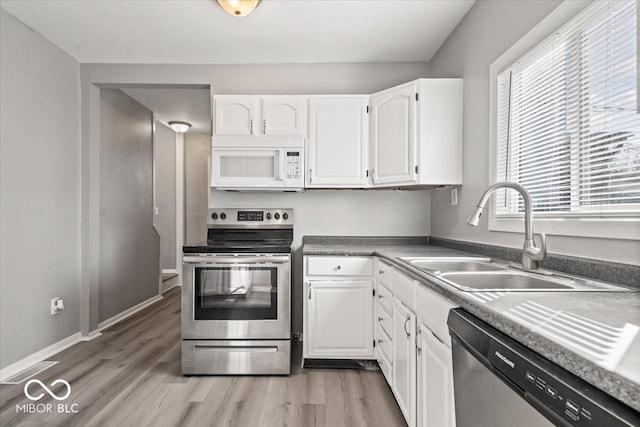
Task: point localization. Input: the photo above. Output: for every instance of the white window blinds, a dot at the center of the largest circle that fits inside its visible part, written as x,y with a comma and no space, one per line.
568,127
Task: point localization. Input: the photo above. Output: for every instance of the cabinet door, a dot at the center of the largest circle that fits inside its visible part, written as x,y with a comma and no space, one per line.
236,114
435,402
337,151
404,361
339,319
393,136
282,115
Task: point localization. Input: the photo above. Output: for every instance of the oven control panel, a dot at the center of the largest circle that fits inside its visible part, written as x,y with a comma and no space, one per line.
249,217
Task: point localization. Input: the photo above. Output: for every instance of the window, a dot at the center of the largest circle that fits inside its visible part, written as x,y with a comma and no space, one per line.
567,122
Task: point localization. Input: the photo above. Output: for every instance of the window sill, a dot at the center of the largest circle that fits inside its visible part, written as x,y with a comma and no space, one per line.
603,228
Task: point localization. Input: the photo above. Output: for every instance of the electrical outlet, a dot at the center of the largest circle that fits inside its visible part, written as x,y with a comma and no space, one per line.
57,305
454,197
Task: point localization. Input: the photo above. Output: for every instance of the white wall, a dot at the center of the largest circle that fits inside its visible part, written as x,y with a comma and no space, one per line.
165,183
197,150
487,31
40,191
338,213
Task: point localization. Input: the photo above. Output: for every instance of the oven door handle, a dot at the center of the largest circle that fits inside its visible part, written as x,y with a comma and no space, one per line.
209,261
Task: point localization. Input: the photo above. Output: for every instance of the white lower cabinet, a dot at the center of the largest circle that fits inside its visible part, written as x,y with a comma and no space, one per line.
404,360
435,399
339,319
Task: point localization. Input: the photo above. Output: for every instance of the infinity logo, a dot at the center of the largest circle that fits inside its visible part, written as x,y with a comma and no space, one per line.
47,389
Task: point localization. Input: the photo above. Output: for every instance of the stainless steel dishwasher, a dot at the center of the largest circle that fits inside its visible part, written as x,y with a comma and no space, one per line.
501,383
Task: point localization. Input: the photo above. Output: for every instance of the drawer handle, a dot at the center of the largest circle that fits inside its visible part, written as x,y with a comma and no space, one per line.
338,267
405,327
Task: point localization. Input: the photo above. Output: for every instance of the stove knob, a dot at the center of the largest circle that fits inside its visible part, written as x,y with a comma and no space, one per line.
277,215
214,215
268,215
223,215
285,216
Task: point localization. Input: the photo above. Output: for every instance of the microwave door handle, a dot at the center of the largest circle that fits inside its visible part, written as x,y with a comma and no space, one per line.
283,172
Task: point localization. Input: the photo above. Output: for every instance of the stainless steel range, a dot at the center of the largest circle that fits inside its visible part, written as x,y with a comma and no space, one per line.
236,295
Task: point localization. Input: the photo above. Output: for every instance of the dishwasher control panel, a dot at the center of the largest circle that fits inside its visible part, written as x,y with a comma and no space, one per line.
566,401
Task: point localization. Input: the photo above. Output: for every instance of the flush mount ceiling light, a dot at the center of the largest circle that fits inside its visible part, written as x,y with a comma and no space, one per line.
239,8
180,127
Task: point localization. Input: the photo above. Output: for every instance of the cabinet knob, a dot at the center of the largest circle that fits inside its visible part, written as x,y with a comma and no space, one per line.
338,268
380,296
380,319
380,271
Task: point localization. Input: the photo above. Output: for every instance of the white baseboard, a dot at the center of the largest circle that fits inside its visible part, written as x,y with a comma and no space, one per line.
65,343
92,335
39,356
129,312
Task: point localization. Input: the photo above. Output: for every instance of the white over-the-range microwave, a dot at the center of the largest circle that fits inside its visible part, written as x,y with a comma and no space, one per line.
257,164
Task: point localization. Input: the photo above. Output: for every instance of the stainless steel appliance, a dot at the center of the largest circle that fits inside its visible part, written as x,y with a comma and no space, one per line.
500,383
236,295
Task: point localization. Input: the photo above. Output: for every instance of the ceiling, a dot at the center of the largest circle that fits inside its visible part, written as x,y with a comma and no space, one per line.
278,31
181,104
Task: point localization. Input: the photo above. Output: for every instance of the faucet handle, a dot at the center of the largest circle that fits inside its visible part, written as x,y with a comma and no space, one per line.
541,251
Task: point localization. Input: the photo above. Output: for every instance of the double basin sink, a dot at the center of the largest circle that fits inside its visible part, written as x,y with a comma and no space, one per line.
482,274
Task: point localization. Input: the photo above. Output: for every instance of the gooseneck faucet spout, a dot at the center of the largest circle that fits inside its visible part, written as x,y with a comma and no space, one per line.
530,253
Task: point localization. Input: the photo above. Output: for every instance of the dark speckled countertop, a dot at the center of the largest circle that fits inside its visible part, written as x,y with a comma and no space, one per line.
615,371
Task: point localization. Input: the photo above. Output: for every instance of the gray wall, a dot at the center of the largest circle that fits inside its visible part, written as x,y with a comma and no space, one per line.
40,191
339,213
129,246
487,31
197,150
165,176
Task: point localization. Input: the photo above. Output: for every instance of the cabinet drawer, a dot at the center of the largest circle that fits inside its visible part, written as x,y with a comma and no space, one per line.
383,344
339,266
433,310
385,299
383,274
404,289
384,321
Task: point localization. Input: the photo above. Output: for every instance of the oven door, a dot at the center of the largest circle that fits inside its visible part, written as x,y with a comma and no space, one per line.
236,297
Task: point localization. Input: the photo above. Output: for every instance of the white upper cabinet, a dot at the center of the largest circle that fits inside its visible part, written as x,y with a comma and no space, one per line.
393,135
250,115
416,134
337,149
236,115
283,115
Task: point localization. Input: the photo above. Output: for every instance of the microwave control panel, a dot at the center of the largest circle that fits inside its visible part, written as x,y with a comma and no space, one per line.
293,164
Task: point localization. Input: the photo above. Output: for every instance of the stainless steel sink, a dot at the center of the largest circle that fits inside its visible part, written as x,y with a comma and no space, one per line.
441,265
511,281
475,274
505,280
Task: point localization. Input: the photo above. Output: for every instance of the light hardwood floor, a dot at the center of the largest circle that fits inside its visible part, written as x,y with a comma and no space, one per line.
130,376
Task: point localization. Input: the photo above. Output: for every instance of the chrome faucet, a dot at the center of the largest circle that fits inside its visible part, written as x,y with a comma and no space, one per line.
530,253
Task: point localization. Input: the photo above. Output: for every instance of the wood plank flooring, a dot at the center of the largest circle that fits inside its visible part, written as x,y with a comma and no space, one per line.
130,376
